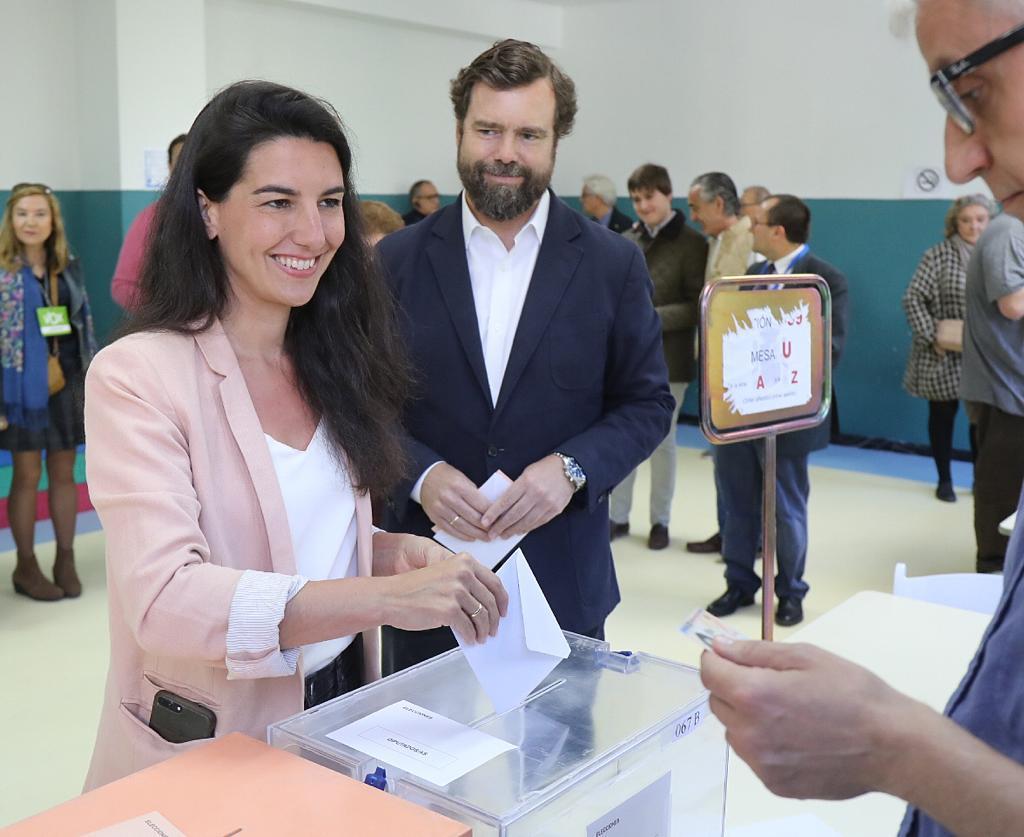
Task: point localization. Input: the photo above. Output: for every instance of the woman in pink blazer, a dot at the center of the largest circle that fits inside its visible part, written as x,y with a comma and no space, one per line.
237,433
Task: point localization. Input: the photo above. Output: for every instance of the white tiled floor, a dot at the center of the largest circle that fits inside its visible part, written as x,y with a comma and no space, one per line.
54,656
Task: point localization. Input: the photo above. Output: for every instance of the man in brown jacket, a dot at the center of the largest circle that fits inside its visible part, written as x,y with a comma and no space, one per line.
676,255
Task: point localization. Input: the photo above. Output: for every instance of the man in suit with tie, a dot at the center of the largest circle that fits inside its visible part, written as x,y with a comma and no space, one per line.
781,228
536,347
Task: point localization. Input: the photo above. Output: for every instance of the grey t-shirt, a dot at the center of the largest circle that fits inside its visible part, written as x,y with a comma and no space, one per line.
993,367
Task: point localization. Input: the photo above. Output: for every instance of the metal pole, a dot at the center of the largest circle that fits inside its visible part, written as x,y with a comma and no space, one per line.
768,540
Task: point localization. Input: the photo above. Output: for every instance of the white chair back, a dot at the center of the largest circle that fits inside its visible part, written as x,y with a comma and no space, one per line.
979,592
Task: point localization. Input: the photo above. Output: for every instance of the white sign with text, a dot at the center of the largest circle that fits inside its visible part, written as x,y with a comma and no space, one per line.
766,361
418,741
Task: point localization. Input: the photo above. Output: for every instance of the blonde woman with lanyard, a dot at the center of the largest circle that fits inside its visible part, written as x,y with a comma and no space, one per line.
46,343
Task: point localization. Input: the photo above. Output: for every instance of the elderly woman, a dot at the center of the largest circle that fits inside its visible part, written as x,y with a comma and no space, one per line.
934,304
236,436
46,342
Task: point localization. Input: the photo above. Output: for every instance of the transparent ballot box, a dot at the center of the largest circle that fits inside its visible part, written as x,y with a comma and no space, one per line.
608,745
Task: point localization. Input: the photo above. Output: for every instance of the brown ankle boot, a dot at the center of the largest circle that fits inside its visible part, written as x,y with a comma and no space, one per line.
29,581
64,573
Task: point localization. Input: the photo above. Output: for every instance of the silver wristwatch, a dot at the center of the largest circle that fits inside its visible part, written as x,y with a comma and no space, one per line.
573,472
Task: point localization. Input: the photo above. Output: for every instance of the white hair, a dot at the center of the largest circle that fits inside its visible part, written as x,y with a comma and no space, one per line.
903,13
601,187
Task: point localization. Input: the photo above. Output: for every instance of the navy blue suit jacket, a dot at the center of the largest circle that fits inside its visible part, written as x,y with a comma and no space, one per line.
585,377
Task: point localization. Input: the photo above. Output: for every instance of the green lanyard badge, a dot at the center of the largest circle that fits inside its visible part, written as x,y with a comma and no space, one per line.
54,321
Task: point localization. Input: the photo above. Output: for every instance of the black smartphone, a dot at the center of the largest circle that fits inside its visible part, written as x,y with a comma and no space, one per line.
177,719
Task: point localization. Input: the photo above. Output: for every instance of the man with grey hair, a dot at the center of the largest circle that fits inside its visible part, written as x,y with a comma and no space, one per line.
751,199
715,205
598,199
811,724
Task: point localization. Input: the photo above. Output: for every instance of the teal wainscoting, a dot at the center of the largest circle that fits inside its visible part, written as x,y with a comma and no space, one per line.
877,244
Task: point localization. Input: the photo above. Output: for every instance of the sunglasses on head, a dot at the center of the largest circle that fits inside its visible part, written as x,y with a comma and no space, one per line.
17,187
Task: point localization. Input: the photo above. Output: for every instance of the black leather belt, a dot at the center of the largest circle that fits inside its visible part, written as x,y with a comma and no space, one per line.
343,674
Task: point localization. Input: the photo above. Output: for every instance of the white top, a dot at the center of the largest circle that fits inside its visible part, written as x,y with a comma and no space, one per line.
321,508
500,279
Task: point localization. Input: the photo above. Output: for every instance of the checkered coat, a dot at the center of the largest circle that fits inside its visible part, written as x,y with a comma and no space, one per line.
935,293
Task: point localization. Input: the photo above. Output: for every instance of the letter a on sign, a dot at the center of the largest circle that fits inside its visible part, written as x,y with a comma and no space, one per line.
760,382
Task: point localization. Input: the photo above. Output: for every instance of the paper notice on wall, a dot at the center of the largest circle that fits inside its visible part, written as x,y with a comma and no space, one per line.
155,169
767,360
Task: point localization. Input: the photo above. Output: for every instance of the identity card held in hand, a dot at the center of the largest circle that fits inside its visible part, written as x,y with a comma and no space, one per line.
702,627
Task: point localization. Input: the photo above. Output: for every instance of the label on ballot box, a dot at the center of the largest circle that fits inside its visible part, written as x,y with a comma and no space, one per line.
420,742
645,814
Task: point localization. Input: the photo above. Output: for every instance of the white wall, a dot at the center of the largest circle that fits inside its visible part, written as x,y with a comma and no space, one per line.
388,81
814,97
811,96
96,94
161,77
39,139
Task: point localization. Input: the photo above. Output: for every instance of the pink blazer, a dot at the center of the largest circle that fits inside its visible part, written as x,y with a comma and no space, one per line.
182,478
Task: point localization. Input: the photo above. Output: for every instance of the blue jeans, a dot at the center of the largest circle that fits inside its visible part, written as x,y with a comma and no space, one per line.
740,482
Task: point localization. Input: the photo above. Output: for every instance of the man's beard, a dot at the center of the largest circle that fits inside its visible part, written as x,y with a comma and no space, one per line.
499,201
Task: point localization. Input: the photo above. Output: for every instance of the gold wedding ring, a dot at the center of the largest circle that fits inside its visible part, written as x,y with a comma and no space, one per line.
475,613
454,520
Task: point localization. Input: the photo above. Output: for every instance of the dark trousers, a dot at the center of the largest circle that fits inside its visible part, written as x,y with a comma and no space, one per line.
402,649
343,674
998,473
941,420
741,480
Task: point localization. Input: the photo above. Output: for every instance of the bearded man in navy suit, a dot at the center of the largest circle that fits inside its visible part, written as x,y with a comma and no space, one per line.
536,347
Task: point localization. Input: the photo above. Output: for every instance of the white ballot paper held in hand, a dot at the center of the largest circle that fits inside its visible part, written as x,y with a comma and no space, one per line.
421,742
529,643
488,553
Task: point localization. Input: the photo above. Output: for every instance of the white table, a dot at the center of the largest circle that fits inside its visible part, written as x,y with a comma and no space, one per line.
919,648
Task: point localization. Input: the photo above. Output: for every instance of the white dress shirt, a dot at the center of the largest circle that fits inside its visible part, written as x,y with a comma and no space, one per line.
785,264
653,231
500,279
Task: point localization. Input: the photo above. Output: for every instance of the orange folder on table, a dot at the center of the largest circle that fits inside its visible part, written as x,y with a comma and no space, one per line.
239,786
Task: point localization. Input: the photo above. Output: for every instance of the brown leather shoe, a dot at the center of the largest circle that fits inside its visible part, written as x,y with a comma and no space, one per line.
712,544
29,581
64,573
617,530
658,539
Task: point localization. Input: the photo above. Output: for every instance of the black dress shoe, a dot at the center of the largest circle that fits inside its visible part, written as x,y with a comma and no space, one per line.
617,530
944,491
658,539
790,612
712,544
730,601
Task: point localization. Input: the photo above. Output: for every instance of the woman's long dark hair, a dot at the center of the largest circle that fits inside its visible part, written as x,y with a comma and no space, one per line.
349,363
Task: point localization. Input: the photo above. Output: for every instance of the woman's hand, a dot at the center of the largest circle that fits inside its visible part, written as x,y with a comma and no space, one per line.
399,553
459,592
